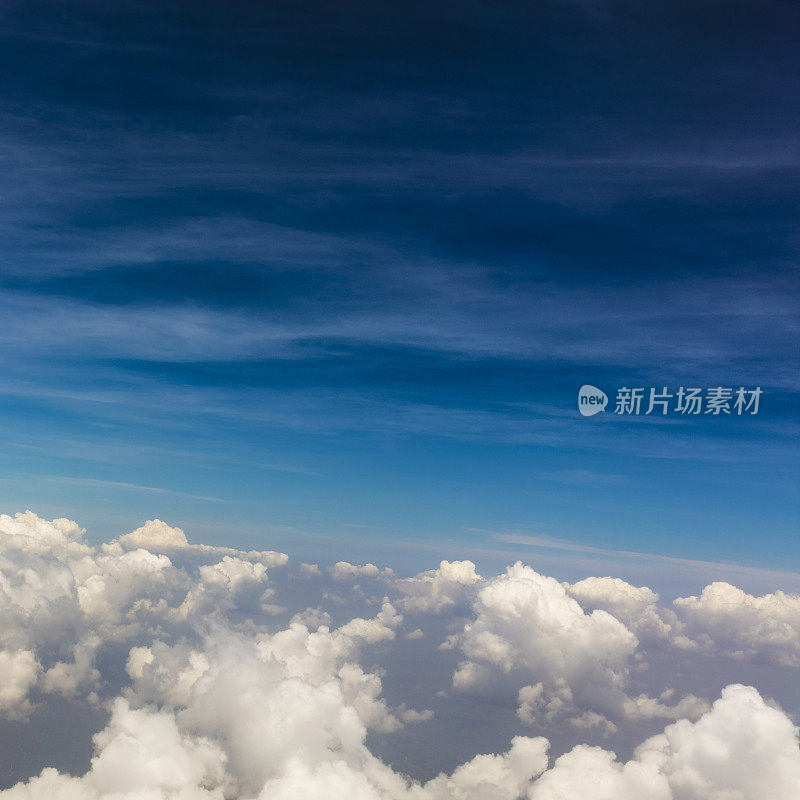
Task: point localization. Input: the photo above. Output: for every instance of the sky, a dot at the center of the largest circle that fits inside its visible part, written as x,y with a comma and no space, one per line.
327,278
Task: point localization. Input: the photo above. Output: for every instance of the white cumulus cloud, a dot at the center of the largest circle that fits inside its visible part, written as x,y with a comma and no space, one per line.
229,683
724,619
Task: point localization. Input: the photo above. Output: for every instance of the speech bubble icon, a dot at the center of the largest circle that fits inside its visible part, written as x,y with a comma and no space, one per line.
591,400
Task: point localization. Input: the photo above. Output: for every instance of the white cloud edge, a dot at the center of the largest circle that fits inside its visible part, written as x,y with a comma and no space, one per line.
122,589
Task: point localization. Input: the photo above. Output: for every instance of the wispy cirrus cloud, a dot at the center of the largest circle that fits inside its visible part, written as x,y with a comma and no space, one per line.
392,268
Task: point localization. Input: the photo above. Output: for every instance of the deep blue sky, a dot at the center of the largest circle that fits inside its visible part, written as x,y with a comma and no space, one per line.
327,277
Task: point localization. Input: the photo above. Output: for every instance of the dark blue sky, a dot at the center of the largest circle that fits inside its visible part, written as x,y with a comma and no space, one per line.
328,276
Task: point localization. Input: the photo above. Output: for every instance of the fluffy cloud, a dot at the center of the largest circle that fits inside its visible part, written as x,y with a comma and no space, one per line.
266,738
140,755
345,571
635,606
62,600
742,749
228,584
527,627
119,594
158,537
290,714
155,536
223,693
30,533
722,620
727,620
438,590
492,776
19,671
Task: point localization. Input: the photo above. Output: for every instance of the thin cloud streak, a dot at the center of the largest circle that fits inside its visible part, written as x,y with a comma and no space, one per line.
128,486
690,564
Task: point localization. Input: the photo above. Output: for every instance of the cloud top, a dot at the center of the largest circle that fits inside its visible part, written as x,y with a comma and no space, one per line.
228,687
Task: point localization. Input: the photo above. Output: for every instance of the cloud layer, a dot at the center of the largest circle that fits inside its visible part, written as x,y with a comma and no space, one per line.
238,675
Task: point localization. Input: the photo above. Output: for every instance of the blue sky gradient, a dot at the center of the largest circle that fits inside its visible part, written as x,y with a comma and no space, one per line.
327,277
